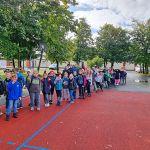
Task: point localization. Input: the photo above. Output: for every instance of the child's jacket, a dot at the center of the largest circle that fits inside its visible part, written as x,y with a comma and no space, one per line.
14,90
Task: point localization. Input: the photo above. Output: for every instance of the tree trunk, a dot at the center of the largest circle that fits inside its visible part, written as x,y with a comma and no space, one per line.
57,66
112,64
39,65
13,62
143,68
146,68
19,61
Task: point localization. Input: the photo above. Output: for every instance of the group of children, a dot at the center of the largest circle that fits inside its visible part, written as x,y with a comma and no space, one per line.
65,84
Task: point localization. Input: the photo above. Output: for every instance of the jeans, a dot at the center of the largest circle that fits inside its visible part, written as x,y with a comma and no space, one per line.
35,96
65,93
12,104
81,91
59,95
74,94
71,92
46,98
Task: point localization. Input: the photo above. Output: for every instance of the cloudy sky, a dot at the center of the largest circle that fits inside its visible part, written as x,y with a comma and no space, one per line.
116,12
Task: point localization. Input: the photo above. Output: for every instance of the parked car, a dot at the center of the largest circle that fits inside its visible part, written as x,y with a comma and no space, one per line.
137,69
53,66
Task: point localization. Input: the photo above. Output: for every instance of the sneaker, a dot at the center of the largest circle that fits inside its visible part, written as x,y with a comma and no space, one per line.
48,105
15,115
21,107
45,105
58,103
71,102
1,113
7,118
38,109
32,108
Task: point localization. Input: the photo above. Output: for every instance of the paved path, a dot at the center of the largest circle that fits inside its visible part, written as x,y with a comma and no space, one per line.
136,83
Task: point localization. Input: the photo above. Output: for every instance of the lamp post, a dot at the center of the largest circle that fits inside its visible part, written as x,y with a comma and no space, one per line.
42,48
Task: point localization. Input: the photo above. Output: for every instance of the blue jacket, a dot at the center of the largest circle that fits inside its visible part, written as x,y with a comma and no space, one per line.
14,90
65,82
58,84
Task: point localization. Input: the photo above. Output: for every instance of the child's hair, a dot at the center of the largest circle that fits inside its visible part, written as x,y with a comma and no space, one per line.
58,74
14,76
44,73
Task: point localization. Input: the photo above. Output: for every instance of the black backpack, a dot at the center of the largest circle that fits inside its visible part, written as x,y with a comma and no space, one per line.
2,88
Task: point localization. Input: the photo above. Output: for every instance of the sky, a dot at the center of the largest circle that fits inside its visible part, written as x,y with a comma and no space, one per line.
116,12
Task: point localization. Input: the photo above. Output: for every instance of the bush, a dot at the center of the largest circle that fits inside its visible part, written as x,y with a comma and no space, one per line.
95,61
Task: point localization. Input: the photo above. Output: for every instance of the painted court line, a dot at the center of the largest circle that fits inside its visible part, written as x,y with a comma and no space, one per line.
25,143
36,147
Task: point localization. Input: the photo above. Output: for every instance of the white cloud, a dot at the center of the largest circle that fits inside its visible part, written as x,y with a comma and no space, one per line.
116,12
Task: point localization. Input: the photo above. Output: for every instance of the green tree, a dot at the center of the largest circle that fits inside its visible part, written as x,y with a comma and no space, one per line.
141,44
113,44
83,41
95,61
60,21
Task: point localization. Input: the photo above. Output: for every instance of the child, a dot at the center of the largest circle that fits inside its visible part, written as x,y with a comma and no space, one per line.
6,81
14,93
65,87
46,87
58,86
21,80
99,80
117,77
89,81
2,90
75,90
52,77
34,90
72,87
80,82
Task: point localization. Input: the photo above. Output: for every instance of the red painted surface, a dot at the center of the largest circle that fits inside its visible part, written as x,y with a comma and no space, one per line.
110,120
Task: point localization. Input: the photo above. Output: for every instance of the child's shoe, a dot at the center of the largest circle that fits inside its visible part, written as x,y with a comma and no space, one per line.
7,117
15,115
58,103
32,108
38,108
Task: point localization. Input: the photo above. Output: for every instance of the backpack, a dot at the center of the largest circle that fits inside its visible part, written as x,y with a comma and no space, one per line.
2,88
80,79
21,81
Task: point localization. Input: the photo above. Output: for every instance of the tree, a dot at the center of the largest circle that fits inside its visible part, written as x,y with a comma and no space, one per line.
141,44
95,61
59,22
83,41
113,44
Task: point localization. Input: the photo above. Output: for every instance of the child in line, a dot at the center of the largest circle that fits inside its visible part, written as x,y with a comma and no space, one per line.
46,87
75,79
72,87
99,80
89,81
8,75
80,82
58,86
34,89
14,93
65,86
52,77
2,90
